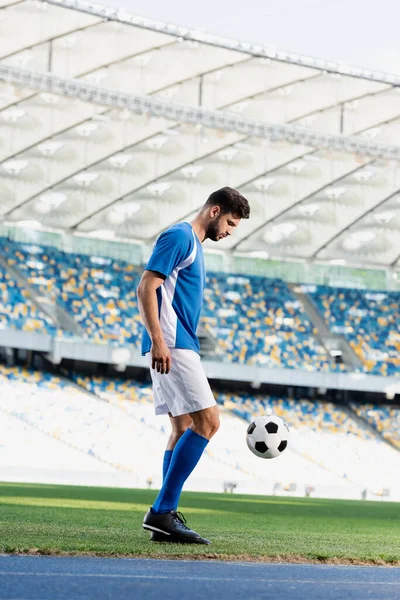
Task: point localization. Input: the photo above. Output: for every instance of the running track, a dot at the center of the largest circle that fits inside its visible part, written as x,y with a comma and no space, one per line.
81,578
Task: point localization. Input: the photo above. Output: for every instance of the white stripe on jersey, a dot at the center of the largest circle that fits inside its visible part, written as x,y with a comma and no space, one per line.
168,318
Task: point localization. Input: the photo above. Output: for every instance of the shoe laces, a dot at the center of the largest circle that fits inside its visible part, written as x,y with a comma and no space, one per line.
179,517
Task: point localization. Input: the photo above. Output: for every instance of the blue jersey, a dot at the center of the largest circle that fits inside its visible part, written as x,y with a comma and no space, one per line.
178,256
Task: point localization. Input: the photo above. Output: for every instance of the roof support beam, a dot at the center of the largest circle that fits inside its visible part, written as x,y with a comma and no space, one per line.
257,50
236,247
352,224
177,112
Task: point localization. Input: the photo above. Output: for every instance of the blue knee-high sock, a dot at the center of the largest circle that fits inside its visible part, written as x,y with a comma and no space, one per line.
166,461
185,457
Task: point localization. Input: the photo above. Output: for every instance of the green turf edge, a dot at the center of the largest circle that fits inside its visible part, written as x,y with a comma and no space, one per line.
196,500
208,556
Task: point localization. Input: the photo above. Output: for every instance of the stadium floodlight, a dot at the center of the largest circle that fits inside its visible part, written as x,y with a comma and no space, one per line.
297,166
385,216
86,129
120,160
364,236
356,239
191,171
156,142
335,192
120,212
15,166
364,175
158,188
228,153
50,147
350,243
47,202
279,232
85,179
227,121
264,183
310,209
239,107
21,60
97,77
372,133
12,115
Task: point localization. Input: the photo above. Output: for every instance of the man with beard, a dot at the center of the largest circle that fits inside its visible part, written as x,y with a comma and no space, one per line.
170,296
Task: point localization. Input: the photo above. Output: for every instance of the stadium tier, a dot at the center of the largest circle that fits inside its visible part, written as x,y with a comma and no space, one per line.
326,435
369,320
258,321
16,309
254,320
110,424
385,419
106,426
99,293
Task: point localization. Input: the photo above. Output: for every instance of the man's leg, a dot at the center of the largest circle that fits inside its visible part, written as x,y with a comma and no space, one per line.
187,453
178,427
185,456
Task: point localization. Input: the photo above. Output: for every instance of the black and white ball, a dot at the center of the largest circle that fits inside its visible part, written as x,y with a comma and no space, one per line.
267,436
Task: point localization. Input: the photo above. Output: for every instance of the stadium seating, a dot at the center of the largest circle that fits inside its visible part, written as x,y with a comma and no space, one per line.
17,311
328,435
370,321
100,293
258,321
124,437
385,419
254,320
335,446
113,423
319,415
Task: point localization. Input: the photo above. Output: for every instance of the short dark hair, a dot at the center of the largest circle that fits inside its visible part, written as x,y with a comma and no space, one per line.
230,201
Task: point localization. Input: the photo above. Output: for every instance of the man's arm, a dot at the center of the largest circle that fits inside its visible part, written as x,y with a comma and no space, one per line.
148,307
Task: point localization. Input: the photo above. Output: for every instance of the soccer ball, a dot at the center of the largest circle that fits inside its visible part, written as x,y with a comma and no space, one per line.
267,436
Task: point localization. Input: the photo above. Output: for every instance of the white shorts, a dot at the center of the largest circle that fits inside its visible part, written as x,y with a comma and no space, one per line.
185,389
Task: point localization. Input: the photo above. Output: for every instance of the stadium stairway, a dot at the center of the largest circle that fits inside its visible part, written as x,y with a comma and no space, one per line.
370,426
305,455
59,316
333,342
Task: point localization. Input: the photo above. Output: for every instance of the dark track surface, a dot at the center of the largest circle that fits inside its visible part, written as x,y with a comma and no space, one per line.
81,578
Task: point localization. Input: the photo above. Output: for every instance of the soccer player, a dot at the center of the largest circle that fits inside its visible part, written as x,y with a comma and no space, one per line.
170,297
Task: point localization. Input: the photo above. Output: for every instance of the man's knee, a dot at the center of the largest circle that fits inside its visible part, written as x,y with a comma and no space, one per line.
206,422
179,425
214,426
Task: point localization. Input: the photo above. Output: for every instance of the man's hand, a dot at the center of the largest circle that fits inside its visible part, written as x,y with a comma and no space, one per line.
161,357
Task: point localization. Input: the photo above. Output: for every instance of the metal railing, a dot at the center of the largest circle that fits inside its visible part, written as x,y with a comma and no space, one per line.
45,82
257,50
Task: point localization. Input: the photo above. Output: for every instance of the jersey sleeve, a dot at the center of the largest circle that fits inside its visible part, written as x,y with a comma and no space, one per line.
172,248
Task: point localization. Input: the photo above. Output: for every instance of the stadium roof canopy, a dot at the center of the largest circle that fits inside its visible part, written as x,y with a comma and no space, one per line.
117,126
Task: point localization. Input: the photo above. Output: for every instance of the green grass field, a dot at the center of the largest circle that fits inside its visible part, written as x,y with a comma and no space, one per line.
47,519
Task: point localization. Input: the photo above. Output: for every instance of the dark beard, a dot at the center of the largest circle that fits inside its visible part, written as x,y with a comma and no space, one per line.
213,231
